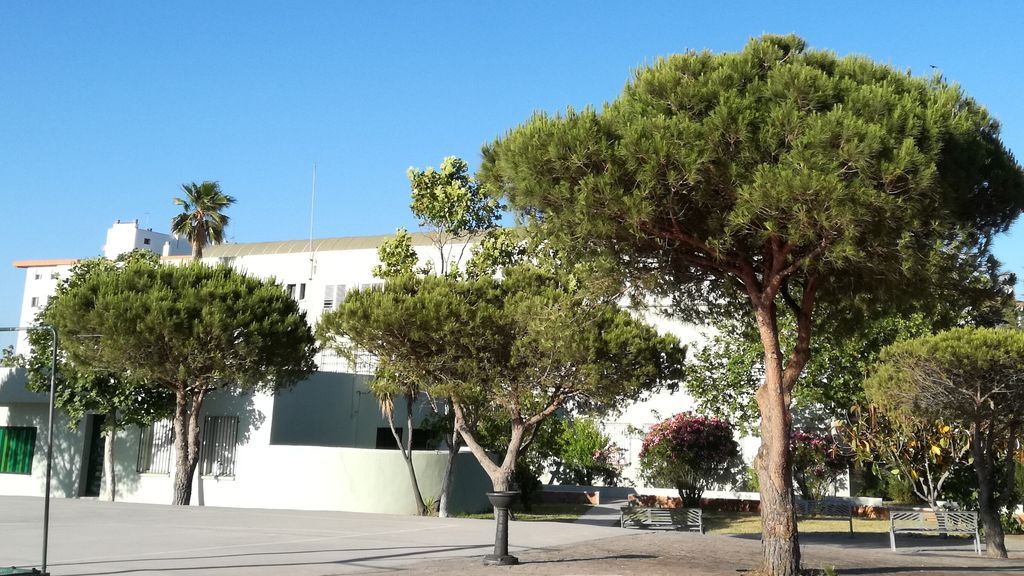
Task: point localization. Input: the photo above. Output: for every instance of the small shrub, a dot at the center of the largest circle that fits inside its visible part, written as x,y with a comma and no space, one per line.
819,463
690,453
1011,523
586,455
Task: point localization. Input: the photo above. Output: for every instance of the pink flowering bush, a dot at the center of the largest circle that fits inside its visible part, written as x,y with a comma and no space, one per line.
690,453
820,464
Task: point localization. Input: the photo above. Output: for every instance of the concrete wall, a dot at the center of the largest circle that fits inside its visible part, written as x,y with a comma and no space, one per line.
333,409
68,449
334,475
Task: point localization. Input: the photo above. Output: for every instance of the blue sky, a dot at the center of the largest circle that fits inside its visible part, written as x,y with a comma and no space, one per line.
106,108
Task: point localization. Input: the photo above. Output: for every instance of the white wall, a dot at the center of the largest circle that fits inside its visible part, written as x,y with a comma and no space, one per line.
265,475
126,236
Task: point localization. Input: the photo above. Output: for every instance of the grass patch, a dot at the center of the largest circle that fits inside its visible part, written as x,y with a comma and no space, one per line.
541,513
741,523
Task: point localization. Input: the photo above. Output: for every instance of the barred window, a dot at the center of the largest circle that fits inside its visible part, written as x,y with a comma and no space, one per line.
17,444
155,443
219,440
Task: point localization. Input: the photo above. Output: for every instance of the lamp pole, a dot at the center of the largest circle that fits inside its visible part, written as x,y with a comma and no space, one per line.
49,427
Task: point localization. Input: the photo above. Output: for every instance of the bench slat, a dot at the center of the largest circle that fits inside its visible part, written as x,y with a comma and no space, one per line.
945,522
686,518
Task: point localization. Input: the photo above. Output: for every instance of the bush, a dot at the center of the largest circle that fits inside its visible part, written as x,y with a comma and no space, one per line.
1011,524
690,453
586,455
819,463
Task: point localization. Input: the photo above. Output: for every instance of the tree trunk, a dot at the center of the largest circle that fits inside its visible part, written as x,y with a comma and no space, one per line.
454,442
988,510
406,450
780,544
186,444
108,464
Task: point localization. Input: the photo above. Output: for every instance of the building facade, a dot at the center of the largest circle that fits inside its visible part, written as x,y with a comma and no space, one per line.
321,444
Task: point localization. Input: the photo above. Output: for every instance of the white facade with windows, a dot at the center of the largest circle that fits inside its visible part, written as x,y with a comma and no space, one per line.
321,444
312,446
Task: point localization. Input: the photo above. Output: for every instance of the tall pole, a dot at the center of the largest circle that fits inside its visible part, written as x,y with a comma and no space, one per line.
49,428
312,209
49,445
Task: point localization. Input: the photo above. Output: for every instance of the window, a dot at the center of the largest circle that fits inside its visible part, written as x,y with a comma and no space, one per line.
155,448
37,276
333,295
16,446
296,291
219,441
146,241
421,439
35,302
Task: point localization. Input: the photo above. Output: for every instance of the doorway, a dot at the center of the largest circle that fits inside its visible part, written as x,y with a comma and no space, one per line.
94,462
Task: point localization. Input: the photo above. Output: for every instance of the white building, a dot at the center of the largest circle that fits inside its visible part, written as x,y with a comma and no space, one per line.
314,446
318,445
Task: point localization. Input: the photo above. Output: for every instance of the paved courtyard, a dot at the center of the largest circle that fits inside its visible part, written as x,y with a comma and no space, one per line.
90,537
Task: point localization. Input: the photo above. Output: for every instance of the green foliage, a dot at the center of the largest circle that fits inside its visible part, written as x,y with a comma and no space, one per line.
917,456
396,256
971,377
820,463
191,327
82,387
202,220
1011,523
775,177
186,330
748,480
723,375
521,346
960,375
451,201
586,454
855,168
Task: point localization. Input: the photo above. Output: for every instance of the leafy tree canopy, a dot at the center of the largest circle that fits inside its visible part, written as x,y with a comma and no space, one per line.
971,377
521,346
775,177
965,374
80,387
187,329
773,161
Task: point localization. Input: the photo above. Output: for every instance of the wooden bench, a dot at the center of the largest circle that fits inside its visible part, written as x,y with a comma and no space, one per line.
830,509
676,518
945,522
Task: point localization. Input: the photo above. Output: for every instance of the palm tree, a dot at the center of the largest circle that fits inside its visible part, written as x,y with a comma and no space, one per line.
201,220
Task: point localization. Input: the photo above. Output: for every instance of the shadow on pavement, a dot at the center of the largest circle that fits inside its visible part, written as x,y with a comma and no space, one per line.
934,569
361,561
590,558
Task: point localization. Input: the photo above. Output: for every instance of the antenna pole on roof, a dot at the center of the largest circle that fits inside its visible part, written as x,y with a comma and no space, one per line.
312,207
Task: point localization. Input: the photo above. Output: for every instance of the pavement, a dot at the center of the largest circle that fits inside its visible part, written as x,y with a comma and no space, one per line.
93,537
89,537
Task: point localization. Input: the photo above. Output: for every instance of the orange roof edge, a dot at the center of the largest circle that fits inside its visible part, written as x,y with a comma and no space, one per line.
42,263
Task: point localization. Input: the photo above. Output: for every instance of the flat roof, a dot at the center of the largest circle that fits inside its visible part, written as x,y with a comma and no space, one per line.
317,245
235,250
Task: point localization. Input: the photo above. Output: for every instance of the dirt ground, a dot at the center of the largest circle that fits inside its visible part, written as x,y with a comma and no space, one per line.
664,553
